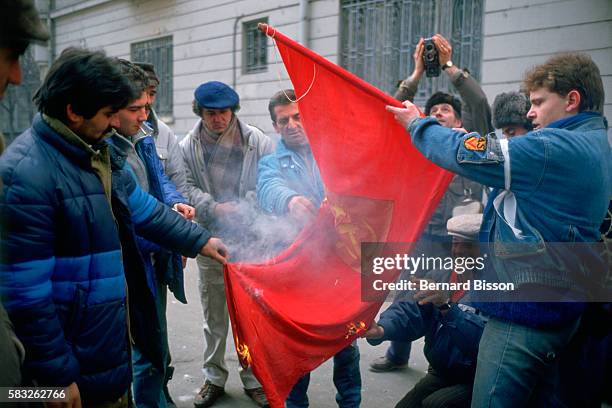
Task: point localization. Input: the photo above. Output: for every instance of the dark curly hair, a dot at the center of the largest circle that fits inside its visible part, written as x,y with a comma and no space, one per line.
86,80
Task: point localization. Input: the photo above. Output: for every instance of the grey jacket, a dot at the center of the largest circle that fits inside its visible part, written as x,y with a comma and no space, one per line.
197,180
169,153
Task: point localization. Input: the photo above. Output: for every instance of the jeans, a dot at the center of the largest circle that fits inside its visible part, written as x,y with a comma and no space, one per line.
399,352
517,365
149,381
347,379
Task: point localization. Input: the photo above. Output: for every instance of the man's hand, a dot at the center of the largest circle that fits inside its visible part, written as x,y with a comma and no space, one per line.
419,64
215,249
302,209
225,209
404,115
436,297
187,211
445,51
374,332
73,396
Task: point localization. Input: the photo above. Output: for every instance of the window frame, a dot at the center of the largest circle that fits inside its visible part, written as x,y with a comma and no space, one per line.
159,51
254,64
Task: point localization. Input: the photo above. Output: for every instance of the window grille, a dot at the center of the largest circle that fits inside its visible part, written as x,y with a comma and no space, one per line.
378,38
255,47
158,52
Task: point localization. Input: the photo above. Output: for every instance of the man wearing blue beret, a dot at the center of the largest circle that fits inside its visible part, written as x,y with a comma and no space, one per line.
221,154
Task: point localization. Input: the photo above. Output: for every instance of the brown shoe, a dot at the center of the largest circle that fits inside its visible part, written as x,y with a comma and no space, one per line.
258,396
384,365
208,394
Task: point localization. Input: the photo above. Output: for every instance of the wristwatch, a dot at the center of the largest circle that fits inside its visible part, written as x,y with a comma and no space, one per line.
448,64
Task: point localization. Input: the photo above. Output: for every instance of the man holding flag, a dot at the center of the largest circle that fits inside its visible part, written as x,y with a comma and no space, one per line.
537,179
289,183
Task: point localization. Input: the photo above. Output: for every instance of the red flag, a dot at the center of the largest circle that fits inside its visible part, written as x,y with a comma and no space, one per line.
296,311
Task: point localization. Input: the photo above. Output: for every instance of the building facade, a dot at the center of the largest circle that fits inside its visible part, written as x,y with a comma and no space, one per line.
193,41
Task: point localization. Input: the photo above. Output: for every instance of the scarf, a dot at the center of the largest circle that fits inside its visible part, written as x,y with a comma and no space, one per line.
223,155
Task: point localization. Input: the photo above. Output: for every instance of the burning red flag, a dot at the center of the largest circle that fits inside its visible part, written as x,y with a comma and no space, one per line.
296,311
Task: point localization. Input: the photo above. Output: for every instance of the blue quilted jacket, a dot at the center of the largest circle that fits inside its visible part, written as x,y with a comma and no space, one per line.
62,275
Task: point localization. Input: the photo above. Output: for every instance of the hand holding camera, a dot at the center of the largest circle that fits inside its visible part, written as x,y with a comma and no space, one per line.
419,63
430,58
437,53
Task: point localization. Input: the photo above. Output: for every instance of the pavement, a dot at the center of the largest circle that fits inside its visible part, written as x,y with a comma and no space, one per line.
186,343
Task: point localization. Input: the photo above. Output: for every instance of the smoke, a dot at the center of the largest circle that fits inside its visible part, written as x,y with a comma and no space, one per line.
253,236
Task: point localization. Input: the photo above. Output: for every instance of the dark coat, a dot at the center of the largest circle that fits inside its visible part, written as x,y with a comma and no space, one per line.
451,340
62,267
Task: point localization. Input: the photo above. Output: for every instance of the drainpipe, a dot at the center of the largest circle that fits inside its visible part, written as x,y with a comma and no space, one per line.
234,36
304,22
51,26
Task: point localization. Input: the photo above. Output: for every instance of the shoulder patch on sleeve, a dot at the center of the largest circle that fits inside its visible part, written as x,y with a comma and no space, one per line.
475,143
478,149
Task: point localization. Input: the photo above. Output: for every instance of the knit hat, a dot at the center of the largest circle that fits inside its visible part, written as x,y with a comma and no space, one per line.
443,97
20,24
510,109
216,95
149,69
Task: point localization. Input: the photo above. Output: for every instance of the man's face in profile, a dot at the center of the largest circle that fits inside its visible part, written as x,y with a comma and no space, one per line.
546,107
130,118
93,129
10,71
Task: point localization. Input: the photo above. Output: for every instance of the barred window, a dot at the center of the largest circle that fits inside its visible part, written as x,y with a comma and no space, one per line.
254,47
158,52
378,38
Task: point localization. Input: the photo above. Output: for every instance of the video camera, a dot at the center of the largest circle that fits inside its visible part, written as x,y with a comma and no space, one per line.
431,58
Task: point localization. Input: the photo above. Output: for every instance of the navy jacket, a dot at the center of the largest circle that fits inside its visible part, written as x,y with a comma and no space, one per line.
61,271
451,341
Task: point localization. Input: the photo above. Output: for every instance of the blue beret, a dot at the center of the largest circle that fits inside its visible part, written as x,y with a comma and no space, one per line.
216,95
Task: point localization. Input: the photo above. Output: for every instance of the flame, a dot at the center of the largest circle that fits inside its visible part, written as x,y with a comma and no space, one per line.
243,353
355,329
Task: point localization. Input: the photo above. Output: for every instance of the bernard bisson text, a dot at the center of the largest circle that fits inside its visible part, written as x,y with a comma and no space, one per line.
424,284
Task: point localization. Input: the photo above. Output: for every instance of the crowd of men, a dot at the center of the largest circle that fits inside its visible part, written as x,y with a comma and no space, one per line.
101,205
